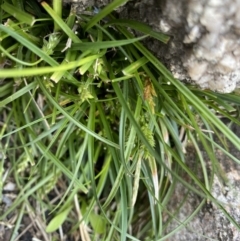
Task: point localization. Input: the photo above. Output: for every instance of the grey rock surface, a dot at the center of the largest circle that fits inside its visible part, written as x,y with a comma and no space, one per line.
210,223
205,44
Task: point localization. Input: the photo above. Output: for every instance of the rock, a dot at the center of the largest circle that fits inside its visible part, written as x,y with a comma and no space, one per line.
210,223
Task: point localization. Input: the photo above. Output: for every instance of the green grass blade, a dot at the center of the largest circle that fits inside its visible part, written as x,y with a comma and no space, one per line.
141,27
45,70
104,12
104,44
20,15
29,45
133,67
61,24
18,94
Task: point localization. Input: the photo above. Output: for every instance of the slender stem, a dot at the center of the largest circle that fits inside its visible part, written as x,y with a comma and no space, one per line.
57,7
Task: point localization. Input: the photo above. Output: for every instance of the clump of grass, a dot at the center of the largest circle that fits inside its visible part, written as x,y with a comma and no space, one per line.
95,128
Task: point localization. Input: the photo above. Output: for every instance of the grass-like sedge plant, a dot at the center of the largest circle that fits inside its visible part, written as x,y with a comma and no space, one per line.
94,128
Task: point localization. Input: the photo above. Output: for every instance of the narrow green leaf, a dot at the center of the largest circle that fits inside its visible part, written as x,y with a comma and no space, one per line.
134,66
58,220
122,78
84,68
141,27
61,24
98,223
231,97
20,15
104,12
57,6
104,44
28,44
45,70
136,180
16,59
19,93
17,28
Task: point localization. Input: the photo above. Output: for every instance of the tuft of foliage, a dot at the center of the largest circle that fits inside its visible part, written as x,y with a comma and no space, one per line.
95,128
